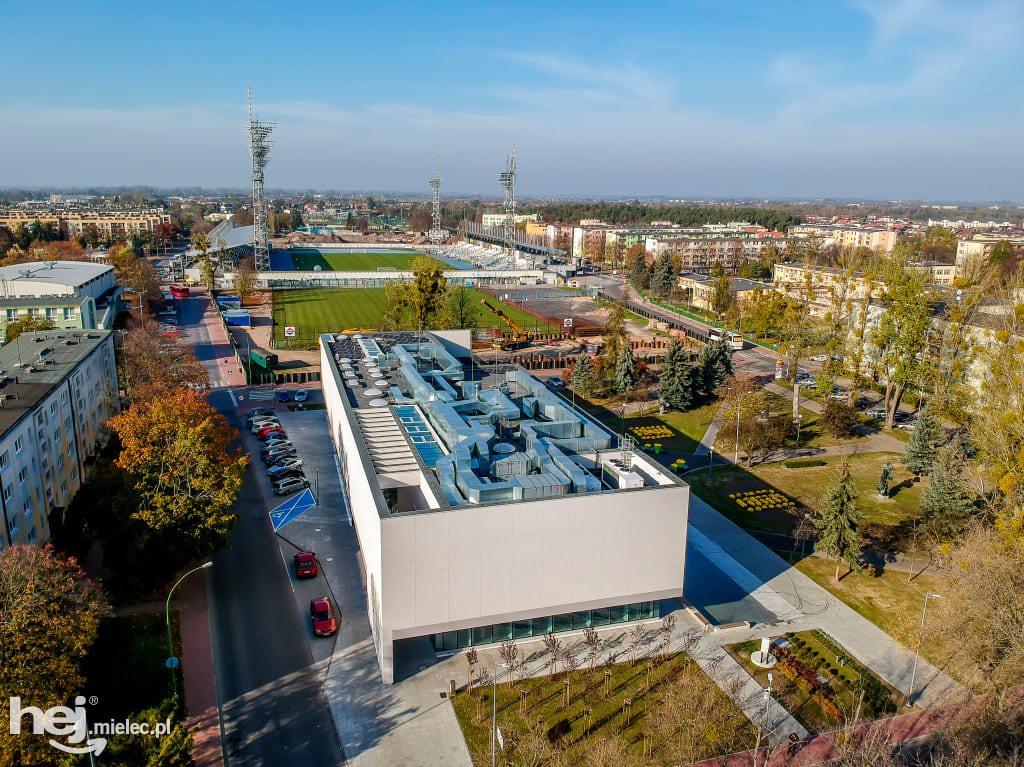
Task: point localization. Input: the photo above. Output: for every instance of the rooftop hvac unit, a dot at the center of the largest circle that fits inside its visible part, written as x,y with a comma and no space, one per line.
617,475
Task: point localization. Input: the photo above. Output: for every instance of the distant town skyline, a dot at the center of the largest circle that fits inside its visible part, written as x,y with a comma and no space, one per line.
870,100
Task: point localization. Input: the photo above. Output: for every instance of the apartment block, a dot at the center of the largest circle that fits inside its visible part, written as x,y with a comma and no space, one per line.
881,240
57,390
73,222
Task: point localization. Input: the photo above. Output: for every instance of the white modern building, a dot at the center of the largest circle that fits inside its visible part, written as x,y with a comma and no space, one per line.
486,507
57,389
56,278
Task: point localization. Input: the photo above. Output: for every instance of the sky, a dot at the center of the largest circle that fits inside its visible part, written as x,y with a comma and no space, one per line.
871,99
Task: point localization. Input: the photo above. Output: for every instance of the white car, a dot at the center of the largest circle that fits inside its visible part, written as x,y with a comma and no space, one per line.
819,358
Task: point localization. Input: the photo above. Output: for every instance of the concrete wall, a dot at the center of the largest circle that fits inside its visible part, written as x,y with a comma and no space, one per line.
475,565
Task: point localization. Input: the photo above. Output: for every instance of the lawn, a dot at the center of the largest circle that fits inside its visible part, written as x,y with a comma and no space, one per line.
534,722
893,604
332,310
687,428
354,261
125,667
804,486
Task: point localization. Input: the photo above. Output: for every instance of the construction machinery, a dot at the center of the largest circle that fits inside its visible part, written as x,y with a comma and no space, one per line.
520,336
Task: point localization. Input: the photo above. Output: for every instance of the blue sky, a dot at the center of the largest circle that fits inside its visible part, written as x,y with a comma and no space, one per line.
905,99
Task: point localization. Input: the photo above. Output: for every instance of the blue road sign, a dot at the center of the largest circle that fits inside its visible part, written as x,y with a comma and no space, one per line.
291,508
172,662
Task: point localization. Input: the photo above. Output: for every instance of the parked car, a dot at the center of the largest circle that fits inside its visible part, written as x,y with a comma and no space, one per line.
322,615
290,485
878,412
276,447
907,425
280,452
838,395
268,430
276,439
305,564
900,417
802,376
262,423
819,358
279,473
287,463
257,411
283,395
301,395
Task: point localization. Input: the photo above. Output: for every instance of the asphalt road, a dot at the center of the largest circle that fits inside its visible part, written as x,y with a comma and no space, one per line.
273,708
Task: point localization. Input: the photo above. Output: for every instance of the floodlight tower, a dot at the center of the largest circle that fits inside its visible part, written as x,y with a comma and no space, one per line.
436,232
259,147
507,179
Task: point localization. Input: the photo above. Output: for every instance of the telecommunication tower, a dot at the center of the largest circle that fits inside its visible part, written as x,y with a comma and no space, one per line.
507,179
259,147
436,232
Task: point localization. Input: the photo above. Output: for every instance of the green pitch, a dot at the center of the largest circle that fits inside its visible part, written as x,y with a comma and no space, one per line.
332,310
355,261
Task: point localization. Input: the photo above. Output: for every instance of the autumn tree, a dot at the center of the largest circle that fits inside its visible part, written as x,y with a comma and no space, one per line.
760,435
182,477
151,365
837,521
245,278
795,337
49,617
27,324
838,418
721,297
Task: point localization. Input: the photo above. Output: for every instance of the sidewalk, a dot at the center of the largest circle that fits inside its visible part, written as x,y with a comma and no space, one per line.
197,667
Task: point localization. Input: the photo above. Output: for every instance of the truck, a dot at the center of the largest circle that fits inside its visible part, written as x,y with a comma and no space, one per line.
263,359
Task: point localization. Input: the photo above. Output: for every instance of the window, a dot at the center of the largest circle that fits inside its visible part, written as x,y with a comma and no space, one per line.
19,444
56,436
53,407
60,463
23,474
51,314
5,458
12,315
69,312
7,492
63,397
64,488
74,475
27,506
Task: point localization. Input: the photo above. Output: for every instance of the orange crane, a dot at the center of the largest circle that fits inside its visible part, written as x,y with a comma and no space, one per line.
521,336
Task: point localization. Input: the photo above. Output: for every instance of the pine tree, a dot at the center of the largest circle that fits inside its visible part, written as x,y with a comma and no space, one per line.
663,275
625,370
715,364
837,523
639,277
583,378
675,388
920,455
946,502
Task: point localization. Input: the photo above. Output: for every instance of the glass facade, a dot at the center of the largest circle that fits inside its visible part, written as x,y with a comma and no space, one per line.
535,627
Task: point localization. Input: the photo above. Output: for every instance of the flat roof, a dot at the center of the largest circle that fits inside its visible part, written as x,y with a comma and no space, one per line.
73,273
482,435
12,303
35,363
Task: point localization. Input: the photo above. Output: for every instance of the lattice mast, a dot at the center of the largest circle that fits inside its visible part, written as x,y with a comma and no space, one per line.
259,148
507,179
437,234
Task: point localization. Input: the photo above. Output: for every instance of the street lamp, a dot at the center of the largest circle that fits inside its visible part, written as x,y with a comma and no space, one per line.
799,423
917,652
171,660
736,455
494,706
711,458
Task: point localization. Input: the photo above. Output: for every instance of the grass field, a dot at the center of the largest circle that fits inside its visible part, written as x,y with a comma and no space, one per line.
326,310
355,261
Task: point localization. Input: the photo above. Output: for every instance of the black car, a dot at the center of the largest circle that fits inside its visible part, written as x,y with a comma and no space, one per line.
283,473
256,412
900,417
277,454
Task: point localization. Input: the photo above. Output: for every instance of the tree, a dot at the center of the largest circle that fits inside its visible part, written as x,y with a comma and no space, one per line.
614,342
583,378
760,435
639,277
838,418
182,477
920,453
27,324
461,307
1000,252
837,522
625,370
795,338
427,291
677,380
721,298
946,503
151,365
715,364
663,275
49,617
245,278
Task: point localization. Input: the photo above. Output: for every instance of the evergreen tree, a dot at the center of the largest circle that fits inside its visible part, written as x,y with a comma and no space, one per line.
714,364
920,455
583,379
676,381
946,502
625,370
837,523
663,275
639,277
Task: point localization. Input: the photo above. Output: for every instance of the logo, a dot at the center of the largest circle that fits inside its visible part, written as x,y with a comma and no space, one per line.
71,724
289,331
59,721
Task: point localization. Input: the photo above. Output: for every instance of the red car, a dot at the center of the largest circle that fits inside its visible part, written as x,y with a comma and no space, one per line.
266,431
305,564
324,622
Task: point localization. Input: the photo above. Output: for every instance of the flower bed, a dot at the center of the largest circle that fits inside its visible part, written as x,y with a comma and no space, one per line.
758,500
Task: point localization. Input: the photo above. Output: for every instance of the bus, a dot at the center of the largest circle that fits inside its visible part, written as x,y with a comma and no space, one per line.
179,291
735,340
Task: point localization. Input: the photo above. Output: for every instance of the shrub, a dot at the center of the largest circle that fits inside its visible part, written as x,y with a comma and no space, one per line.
805,464
838,418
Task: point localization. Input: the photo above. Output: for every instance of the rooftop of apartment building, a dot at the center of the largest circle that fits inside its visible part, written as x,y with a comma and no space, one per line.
18,303
494,435
33,364
57,272
736,284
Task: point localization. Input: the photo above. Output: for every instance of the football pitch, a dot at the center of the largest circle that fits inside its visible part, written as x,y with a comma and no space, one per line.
354,261
314,312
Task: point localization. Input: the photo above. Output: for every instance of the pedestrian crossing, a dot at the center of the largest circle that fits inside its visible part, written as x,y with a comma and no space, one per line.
263,393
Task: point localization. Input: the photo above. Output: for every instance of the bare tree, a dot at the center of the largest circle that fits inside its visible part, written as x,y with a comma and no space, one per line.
593,643
667,624
553,647
636,636
509,653
471,660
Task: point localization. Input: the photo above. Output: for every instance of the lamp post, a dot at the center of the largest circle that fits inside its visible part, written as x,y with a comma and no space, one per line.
494,707
799,423
917,652
167,612
711,458
736,454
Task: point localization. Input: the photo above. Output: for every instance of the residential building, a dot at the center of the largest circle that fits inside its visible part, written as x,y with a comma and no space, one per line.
76,294
699,289
486,507
66,312
972,254
57,390
74,221
936,272
877,239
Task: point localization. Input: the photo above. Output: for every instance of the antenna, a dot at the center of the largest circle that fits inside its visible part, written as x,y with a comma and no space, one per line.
259,147
436,232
